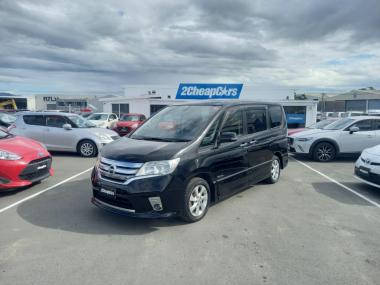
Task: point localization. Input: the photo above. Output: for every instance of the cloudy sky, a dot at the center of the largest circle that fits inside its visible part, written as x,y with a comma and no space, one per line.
271,46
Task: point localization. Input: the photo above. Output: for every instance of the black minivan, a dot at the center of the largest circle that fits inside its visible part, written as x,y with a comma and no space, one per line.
188,156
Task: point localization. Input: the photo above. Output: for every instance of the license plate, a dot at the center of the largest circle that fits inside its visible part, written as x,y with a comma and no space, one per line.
364,171
108,192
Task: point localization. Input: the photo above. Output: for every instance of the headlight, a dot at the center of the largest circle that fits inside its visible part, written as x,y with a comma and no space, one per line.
304,139
163,167
103,137
5,155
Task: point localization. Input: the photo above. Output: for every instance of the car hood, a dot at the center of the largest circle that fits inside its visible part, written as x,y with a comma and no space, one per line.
310,132
102,131
132,150
97,122
373,150
22,146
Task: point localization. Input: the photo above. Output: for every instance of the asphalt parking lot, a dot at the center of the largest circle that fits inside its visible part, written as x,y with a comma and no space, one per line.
306,229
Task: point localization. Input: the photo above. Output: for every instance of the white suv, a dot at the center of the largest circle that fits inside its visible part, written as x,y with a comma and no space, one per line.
345,136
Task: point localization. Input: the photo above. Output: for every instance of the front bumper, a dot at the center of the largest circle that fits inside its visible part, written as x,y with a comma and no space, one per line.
369,174
134,199
18,174
296,146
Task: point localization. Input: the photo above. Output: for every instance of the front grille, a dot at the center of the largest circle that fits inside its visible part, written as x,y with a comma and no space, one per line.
117,171
369,162
124,129
36,169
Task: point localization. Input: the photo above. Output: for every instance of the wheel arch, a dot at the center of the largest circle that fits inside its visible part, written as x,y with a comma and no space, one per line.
333,142
204,174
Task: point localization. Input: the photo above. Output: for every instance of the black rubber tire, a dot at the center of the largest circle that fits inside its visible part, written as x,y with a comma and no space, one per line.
95,149
326,147
270,179
186,215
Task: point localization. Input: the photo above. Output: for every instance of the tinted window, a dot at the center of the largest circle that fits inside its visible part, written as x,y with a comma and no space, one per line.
256,120
365,125
275,116
55,121
234,123
376,125
36,120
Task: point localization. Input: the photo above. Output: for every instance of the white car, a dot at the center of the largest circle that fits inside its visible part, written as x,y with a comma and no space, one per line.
345,136
367,167
103,120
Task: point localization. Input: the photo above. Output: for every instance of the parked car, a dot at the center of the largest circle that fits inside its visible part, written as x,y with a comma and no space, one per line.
188,156
319,125
345,136
22,162
86,114
128,123
63,132
6,120
353,114
367,167
103,120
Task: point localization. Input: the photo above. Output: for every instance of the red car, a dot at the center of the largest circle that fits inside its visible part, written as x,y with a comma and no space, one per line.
22,161
128,122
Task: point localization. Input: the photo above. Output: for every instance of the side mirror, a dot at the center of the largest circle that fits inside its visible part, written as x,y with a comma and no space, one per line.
228,137
353,130
67,127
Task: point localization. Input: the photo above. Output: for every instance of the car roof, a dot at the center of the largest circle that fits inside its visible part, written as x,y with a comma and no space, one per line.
363,117
46,113
224,103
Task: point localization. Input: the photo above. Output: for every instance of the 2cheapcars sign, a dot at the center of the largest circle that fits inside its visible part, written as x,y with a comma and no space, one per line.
208,91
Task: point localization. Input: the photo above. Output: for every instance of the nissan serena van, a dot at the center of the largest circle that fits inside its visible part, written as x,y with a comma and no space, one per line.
189,156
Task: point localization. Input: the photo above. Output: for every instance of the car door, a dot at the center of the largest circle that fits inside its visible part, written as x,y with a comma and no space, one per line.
33,126
56,137
258,143
228,162
357,141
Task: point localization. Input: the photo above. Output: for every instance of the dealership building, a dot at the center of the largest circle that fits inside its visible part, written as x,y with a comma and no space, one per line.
300,113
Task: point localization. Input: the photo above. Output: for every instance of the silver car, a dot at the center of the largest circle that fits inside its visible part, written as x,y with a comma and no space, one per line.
63,132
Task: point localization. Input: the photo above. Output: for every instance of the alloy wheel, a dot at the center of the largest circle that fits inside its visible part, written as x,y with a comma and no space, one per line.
275,171
87,149
198,200
325,153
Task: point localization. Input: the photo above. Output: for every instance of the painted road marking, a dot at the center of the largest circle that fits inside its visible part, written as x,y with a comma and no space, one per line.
43,191
340,184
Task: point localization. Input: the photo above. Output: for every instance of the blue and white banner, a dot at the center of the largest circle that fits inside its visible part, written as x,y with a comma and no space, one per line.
208,91
295,118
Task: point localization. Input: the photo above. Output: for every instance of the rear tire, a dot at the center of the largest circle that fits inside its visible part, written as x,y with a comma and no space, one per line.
196,200
87,148
275,172
324,152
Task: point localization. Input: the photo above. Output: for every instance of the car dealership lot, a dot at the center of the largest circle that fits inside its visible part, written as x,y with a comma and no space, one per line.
305,229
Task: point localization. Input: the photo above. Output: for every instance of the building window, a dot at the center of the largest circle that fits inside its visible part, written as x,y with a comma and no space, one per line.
155,108
120,109
356,105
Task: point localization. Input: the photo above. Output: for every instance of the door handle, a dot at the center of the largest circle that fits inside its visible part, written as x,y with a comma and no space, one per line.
252,142
244,144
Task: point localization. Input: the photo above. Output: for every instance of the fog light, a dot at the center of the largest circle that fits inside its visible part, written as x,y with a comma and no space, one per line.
156,204
4,181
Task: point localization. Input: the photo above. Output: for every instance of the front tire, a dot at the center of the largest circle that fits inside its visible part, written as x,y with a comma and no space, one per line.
275,171
196,200
324,152
87,148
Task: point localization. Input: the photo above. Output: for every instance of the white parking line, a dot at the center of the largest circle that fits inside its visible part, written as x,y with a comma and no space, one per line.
43,191
339,184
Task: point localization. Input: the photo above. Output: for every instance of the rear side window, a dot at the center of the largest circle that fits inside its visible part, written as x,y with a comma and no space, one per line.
234,123
275,116
35,120
256,120
376,125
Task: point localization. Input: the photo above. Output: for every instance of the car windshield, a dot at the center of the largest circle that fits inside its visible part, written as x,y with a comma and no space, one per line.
98,117
8,119
81,122
130,118
176,123
339,124
3,134
321,124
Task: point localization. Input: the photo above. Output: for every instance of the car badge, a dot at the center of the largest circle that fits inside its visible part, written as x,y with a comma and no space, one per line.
367,161
40,154
112,169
